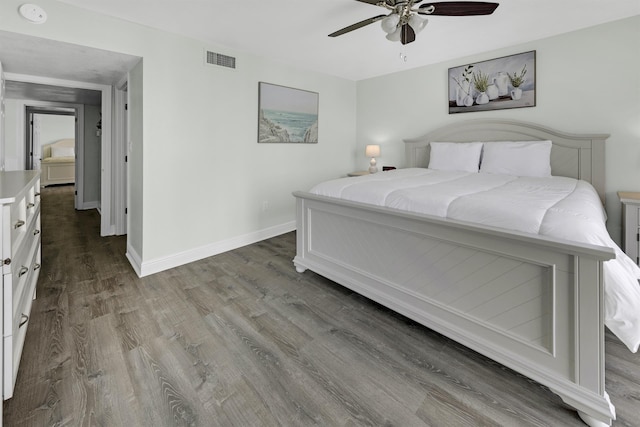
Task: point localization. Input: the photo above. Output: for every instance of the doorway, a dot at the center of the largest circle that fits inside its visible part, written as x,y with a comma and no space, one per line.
46,126
96,111
43,124
82,69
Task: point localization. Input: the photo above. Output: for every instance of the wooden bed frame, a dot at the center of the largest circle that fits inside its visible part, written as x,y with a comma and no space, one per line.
530,302
54,170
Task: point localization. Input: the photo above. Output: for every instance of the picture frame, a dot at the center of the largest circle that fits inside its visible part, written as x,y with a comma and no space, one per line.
496,84
287,115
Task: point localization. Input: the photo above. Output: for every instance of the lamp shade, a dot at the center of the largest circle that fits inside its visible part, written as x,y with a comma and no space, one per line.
417,23
395,36
372,151
390,23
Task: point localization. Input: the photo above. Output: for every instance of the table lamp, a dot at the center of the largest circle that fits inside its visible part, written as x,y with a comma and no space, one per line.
372,151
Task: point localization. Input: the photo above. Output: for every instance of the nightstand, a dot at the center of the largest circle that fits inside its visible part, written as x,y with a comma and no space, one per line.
358,173
630,224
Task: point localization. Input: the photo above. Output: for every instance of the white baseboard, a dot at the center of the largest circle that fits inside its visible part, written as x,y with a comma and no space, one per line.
90,205
134,260
147,268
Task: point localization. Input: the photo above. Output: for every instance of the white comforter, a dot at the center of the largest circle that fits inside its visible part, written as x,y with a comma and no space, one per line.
560,207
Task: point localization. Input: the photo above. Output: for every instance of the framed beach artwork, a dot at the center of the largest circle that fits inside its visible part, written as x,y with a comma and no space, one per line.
496,84
287,114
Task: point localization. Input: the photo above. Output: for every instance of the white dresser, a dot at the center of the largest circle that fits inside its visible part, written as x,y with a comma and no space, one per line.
20,256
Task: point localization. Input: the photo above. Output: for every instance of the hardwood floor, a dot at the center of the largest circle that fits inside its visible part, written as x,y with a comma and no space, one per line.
241,339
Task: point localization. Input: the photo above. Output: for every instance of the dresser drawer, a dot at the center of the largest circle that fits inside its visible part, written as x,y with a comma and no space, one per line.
20,246
18,345
22,212
13,345
18,220
22,258
18,271
14,342
24,284
21,312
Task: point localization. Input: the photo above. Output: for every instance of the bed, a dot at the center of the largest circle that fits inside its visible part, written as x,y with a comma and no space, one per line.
58,165
413,263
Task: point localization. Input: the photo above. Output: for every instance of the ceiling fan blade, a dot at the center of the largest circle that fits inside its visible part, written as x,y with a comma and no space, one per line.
407,34
388,2
458,8
357,25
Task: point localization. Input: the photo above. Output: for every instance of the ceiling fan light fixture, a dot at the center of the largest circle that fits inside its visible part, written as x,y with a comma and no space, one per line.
417,23
390,23
403,21
396,35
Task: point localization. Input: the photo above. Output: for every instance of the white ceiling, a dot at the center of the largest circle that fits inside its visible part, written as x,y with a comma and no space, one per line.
34,56
295,31
42,57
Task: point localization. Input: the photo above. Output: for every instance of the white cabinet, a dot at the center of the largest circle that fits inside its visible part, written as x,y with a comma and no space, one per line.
631,224
20,257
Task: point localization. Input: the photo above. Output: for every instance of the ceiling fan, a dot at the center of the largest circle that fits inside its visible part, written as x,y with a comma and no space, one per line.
404,21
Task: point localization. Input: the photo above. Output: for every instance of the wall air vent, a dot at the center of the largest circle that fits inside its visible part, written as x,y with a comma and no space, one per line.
213,58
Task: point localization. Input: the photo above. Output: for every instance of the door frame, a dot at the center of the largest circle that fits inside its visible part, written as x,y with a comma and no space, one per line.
53,110
107,223
120,154
59,108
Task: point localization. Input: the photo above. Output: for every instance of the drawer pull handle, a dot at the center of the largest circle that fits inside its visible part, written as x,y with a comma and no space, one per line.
37,194
36,267
30,205
7,261
19,223
24,319
24,270
36,232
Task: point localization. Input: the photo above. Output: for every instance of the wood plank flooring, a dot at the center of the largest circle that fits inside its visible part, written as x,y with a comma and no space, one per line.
241,339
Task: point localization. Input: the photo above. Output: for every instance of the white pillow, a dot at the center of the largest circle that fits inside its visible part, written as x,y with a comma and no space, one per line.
62,152
455,156
522,158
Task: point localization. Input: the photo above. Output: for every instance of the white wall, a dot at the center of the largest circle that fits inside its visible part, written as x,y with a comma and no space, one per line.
92,156
587,82
204,178
13,133
55,127
135,177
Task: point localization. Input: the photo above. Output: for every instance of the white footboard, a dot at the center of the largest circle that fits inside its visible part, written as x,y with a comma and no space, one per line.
532,303
58,173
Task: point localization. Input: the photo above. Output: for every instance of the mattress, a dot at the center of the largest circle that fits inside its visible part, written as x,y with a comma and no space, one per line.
558,207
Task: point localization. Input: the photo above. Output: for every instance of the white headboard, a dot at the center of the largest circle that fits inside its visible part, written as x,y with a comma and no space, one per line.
579,156
46,149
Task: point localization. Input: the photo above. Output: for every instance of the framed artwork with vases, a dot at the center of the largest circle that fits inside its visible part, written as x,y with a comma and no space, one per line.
495,84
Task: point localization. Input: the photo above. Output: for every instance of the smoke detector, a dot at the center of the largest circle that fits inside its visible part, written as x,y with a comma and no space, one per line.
33,13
